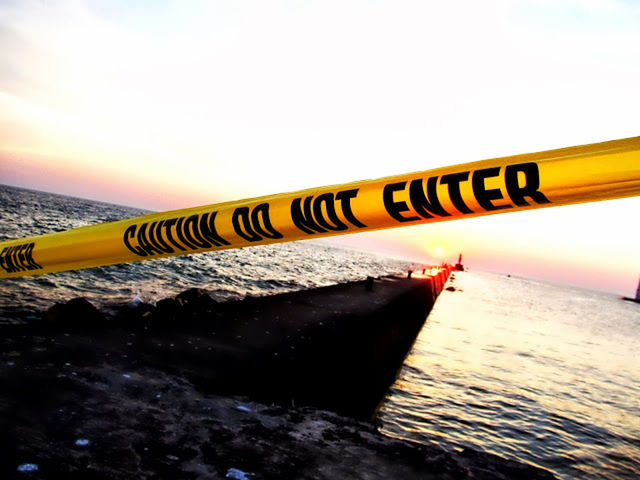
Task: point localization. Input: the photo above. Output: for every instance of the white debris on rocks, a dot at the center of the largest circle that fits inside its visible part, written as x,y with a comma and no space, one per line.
236,474
29,467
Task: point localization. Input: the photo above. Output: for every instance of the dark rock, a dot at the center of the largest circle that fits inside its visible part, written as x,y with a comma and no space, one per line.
450,289
168,312
150,407
197,303
192,295
135,315
183,434
369,284
77,313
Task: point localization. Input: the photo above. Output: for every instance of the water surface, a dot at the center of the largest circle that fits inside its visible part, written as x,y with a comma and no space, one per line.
256,270
528,370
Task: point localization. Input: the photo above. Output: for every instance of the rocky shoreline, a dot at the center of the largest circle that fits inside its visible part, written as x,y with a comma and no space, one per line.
270,387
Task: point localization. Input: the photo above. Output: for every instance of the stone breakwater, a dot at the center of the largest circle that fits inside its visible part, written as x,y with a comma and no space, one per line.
268,387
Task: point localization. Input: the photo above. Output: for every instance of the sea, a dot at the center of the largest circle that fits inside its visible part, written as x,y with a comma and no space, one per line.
535,372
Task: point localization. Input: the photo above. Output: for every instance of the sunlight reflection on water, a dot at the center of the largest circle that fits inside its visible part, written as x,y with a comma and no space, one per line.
527,370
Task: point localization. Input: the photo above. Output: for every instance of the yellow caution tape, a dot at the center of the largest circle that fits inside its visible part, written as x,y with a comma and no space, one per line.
556,177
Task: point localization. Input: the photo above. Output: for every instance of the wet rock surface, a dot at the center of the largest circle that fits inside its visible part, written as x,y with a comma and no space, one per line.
337,348
114,420
168,391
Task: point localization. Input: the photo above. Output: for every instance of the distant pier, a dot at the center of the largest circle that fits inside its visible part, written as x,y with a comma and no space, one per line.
637,299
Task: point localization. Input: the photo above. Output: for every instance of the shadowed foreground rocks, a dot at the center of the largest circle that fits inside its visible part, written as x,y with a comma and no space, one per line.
112,422
192,388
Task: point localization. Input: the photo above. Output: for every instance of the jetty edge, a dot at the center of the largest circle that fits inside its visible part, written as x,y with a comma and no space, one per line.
636,299
272,386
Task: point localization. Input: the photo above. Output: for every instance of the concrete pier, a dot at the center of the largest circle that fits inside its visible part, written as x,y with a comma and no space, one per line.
191,388
338,348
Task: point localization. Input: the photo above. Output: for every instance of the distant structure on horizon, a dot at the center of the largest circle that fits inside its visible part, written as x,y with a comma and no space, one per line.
460,268
637,299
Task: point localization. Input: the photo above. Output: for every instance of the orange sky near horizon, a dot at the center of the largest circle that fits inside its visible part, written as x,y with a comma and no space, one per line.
161,107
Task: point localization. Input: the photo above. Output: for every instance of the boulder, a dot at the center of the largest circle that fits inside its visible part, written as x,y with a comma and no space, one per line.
77,313
197,304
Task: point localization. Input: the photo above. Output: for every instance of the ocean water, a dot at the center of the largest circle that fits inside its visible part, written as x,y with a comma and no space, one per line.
531,371
535,372
227,274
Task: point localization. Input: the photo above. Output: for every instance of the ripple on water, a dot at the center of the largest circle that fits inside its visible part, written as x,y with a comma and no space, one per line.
531,371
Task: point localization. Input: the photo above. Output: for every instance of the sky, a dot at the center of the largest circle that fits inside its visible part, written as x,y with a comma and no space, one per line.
163,105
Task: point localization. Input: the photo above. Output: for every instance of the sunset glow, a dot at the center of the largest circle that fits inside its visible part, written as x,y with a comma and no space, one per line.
167,105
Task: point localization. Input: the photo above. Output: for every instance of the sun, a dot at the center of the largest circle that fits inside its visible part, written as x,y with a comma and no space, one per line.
438,251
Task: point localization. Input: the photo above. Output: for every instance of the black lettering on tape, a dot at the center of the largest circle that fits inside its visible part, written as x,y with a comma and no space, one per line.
331,220
197,231
254,225
321,213
345,197
241,220
181,235
144,242
208,229
32,265
484,196
18,258
302,216
191,230
530,187
130,234
3,259
167,224
426,204
15,259
393,207
166,248
188,234
453,181
262,223
155,238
